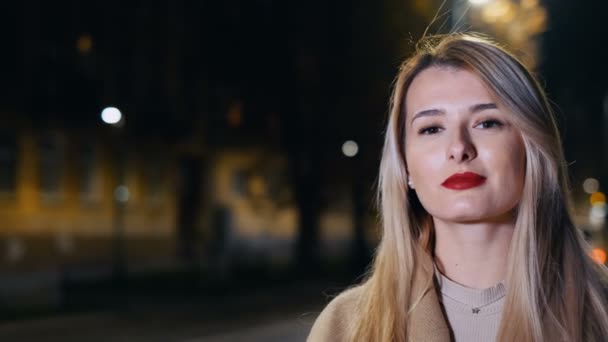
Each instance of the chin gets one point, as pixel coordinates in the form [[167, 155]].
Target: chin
[[464, 219], [475, 217], [462, 215]]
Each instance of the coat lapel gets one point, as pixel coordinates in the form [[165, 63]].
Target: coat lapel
[[427, 322]]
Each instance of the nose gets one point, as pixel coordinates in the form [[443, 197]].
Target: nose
[[461, 147]]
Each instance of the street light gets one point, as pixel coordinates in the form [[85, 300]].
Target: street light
[[350, 148], [113, 117], [478, 2], [591, 185]]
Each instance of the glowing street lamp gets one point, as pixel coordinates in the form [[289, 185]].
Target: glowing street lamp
[[111, 115], [591, 185], [350, 148], [479, 2]]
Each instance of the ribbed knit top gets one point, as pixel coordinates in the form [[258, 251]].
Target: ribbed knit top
[[472, 314]]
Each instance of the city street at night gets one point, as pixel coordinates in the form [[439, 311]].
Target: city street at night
[[216, 171], [284, 315], [158, 327]]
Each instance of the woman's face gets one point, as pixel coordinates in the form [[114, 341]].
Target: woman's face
[[465, 158]]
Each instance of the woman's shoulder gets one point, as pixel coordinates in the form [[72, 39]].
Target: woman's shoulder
[[334, 321]]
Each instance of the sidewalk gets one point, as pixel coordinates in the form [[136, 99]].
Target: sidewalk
[[274, 313]]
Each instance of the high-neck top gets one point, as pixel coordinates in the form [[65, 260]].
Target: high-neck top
[[472, 314]]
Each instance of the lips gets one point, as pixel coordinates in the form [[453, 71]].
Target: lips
[[462, 181]]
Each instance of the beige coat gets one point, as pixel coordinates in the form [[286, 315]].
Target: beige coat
[[427, 322]]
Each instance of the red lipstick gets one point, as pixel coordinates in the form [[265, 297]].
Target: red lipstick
[[463, 181]]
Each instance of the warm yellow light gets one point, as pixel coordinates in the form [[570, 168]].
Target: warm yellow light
[[84, 44], [498, 11], [235, 114], [257, 186], [508, 15], [423, 7], [528, 4], [479, 2], [597, 198], [537, 20], [598, 255]]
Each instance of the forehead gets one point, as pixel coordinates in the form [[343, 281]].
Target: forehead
[[446, 88]]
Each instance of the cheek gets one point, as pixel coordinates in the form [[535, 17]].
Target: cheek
[[508, 155], [515, 156], [420, 164], [519, 167], [507, 162]]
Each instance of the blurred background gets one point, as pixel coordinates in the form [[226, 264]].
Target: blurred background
[[205, 170]]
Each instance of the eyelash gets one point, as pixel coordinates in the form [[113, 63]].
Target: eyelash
[[495, 123], [427, 130]]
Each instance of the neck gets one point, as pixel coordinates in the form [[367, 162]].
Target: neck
[[473, 254]]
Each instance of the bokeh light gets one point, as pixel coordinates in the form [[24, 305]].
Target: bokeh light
[[122, 194], [350, 148], [235, 114], [111, 115], [529, 4], [597, 198], [591, 185], [598, 255], [598, 211], [597, 215], [479, 2], [501, 10], [84, 44]]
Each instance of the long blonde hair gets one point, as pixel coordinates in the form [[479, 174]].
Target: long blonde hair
[[555, 291]]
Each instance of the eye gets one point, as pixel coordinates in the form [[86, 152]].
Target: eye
[[429, 130], [491, 123]]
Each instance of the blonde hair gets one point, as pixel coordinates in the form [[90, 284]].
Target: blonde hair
[[555, 291]]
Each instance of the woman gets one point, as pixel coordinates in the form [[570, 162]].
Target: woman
[[478, 243]]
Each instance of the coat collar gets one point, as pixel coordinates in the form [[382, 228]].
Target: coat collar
[[427, 322]]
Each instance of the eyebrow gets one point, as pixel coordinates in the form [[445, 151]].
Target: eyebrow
[[473, 109], [482, 106]]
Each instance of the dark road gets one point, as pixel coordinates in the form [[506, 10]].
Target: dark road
[[285, 314], [103, 327]]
